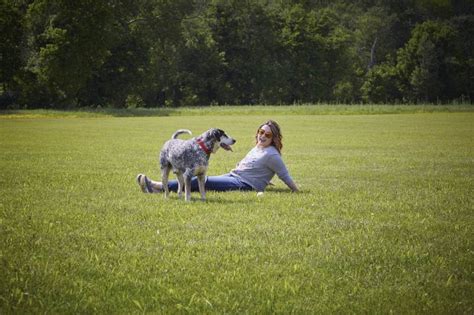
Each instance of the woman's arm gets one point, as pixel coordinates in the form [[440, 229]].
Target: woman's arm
[[279, 167]]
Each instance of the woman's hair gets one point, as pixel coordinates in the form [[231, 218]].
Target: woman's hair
[[277, 136]]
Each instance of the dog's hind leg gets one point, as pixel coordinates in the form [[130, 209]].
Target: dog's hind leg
[[187, 184], [180, 184], [201, 183], [165, 173]]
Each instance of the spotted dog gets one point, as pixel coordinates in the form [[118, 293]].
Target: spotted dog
[[188, 158]]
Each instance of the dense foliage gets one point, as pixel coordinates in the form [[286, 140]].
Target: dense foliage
[[148, 53]]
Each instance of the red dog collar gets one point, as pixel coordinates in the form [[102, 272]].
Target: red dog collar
[[203, 146]]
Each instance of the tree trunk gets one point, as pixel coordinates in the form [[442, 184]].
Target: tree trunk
[[372, 54]]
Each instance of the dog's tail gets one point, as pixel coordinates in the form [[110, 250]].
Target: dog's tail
[[180, 131]]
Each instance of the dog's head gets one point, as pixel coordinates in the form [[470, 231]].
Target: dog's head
[[221, 140]]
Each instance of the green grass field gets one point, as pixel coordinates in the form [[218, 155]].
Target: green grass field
[[384, 222]]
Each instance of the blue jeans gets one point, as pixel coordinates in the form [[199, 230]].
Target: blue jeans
[[226, 182]]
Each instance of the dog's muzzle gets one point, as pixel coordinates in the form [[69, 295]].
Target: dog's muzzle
[[227, 147]]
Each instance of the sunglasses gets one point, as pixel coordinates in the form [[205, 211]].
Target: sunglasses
[[262, 132]]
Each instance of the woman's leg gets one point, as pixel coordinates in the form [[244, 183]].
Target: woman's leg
[[149, 186], [226, 182]]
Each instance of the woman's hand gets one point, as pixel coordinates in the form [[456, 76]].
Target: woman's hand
[[293, 187]]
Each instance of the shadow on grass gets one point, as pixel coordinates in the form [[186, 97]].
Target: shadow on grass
[[308, 109], [94, 112], [243, 197], [137, 112], [211, 200], [283, 190]]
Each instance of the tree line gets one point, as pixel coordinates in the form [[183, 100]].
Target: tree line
[[150, 53]]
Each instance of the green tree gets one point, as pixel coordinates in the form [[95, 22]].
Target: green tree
[[68, 41], [460, 64], [161, 24], [422, 63], [316, 45], [10, 50], [246, 38], [381, 85], [122, 70], [373, 36]]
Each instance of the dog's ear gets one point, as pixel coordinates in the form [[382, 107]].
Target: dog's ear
[[217, 134]]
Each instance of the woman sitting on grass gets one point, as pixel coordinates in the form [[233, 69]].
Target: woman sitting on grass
[[254, 172]]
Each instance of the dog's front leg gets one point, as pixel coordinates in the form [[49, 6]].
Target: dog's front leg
[[202, 188]]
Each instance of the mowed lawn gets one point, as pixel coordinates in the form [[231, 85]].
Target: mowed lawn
[[384, 222]]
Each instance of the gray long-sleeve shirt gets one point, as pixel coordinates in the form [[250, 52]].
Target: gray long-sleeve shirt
[[259, 166]]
